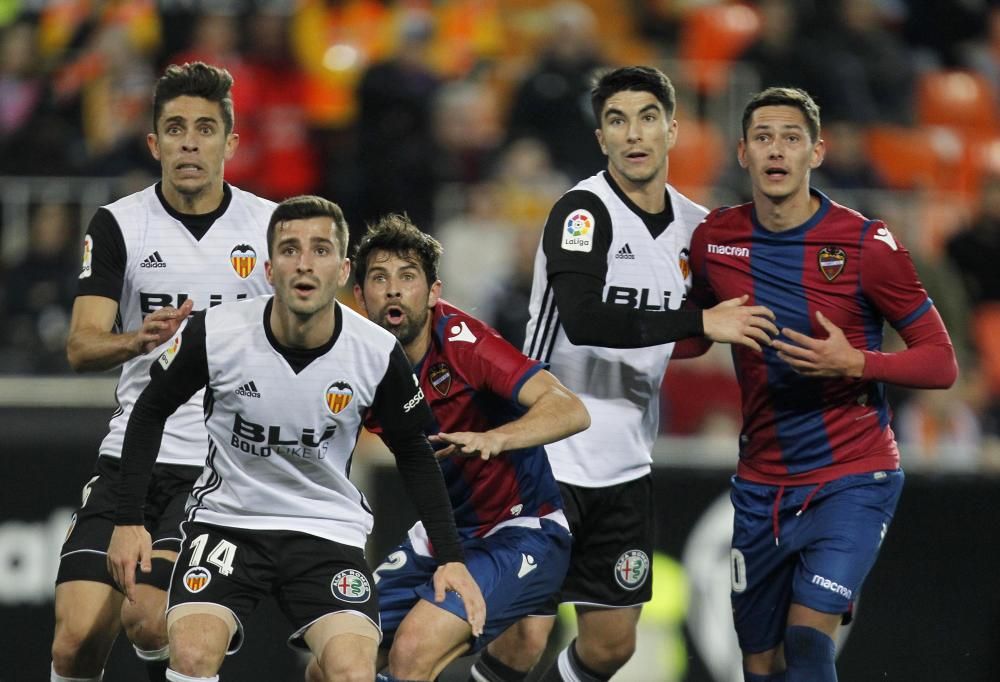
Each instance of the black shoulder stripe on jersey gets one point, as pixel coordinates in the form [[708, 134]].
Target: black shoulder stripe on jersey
[[552, 337]]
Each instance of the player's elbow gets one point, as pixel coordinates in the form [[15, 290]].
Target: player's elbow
[[74, 356], [580, 416], [949, 371]]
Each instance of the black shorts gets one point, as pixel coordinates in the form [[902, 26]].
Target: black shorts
[[236, 568], [84, 552], [613, 531]]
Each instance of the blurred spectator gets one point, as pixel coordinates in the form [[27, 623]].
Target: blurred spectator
[[779, 56], [553, 102], [975, 251], [868, 73], [38, 294], [275, 134], [395, 138], [983, 55], [467, 132], [940, 429], [846, 164]]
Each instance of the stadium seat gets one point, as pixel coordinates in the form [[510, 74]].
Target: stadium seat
[[917, 158], [960, 99], [712, 37]]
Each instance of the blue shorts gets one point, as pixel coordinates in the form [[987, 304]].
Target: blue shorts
[[517, 568], [811, 545]]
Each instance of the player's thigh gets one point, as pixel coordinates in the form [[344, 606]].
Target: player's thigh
[[317, 577], [613, 532], [427, 636], [343, 647], [397, 579], [600, 625], [846, 526], [229, 568], [518, 569], [83, 556], [86, 614], [761, 570]]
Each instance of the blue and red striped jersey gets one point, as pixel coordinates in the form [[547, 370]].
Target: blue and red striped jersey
[[471, 377], [796, 429]]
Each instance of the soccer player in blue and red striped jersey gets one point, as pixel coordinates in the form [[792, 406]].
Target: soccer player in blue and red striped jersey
[[818, 477], [493, 409]]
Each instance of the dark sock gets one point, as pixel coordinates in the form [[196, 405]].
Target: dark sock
[[157, 670], [489, 668], [569, 668], [810, 654]]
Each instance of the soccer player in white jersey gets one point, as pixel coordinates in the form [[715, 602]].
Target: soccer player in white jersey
[[289, 379], [191, 240], [610, 279]]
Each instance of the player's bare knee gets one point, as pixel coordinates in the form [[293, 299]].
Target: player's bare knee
[[78, 652], [606, 651], [190, 656], [336, 667], [409, 656], [145, 624], [313, 671]]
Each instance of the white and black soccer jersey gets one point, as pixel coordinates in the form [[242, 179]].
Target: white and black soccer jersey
[[145, 255], [283, 424], [596, 234]]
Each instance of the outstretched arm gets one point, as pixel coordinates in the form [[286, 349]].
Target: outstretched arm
[[554, 412]]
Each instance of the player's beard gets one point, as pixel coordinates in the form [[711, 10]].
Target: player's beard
[[409, 330]]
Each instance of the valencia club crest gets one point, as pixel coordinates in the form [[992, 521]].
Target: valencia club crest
[[243, 258], [831, 262]]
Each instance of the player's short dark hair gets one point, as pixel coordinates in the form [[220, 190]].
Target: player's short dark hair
[[302, 208], [195, 79], [639, 78], [784, 97], [398, 235]]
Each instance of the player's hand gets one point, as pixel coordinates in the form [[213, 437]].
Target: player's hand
[[747, 325], [160, 326], [455, 577], [469, 444], [833, 356], [130, 546]]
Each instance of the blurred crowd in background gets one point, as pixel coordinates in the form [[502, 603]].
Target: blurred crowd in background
[[473, 116]]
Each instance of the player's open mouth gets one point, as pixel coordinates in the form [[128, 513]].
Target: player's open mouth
[[776, 173], [304, 287], [636, 156], [394, 314]]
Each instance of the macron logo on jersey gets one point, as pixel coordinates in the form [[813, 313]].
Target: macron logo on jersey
[[248, 390], [739, 251], [625, 253], [153, 260], [461, 332], [528, 564], [884, 236], [828, 584]]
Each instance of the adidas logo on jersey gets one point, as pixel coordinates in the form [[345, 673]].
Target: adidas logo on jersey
[[248, 390], [625, 253], [153, 260]]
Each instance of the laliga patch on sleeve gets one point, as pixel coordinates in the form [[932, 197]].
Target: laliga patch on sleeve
[[578, 231], [167, 356], [88, 255]]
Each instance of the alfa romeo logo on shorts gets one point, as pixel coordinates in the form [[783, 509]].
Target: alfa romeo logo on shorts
[[632, 569], [197, 579], [351, 586]]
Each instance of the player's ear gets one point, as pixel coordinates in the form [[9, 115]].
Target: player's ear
[[600, 141], [269, 272], [359, 298], [741, 153], [153, 142], [345, 272], [232, 142], [819, 153], [435, 294]]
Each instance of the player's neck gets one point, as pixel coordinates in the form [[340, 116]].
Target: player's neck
[[416, 350], [194, 204], [649, 195], [784, 214], [296, 331]]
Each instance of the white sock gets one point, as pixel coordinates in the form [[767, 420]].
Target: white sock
[[175, 676], [56, 677], [152, 656]]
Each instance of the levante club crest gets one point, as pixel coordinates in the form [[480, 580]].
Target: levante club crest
[[338, 396], [440, 376], [831, 262], [243, 258]]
